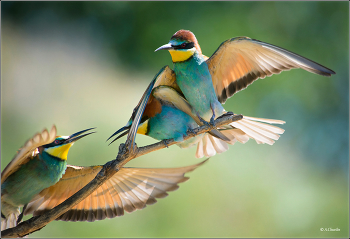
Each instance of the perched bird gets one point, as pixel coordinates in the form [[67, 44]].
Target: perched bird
[[168, 114], [39, 178], [206, 83]]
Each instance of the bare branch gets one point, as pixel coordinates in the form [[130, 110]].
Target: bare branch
[[109, 169]]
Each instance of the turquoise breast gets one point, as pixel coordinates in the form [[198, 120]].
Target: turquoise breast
[[39, 173], [194, 80], [170, 123]]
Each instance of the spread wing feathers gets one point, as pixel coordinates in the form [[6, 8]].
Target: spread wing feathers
[[241, 131], [139, 112], [28, 150], [169, 96], [240, 61], [128, 190], [136, 117], [165, 77]]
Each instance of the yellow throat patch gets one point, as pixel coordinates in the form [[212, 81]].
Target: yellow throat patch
[[178, 56], [143, 128], [59, 151]]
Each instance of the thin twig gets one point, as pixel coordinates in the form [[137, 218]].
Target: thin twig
[[108, 170]]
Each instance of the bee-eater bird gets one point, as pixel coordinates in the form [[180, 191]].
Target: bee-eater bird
[[168, 114], [38, 165], [39, 179], [206, 83]]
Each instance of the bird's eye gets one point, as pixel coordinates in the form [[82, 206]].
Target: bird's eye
[[183, 44], [56, 141]]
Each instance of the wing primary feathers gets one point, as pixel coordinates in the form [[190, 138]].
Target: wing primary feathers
[[129, 190], [139, 113], [117, 206], [147, 106], [239, 61], [28, 150], [136, 116], [311, 65]]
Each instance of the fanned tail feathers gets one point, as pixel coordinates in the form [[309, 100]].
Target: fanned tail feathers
[[10, 221], [241, 131]]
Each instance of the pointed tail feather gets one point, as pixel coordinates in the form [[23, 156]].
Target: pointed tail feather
[[237, 134], [261, 132]]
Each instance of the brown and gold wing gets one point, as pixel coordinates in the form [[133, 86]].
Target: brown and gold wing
[[29, 150], [170, 96], [128, 190], [240, 61], [165, 77]]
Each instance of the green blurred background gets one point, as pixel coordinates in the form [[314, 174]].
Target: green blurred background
[[86, 64]]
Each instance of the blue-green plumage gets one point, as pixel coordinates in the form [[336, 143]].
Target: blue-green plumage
[[208, 82], [39, 173], [194, 80], [172, 123], [200, 85], [40, 164]]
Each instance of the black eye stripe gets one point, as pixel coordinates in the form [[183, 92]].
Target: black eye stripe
[[56, 142], [187, 46]]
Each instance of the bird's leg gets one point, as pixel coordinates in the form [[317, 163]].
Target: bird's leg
[[211, 123], [19, 219], [202, 120], [212, 119]]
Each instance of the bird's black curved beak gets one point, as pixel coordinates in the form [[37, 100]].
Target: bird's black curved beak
[[76, 136], [165, 47]]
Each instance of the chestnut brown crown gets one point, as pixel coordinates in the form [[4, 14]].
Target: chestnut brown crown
[[188, 36]]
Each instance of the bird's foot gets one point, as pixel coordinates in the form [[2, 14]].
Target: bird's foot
[[226, 114], [210, 124], [166, 145], [212, 120], [190, 132]]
